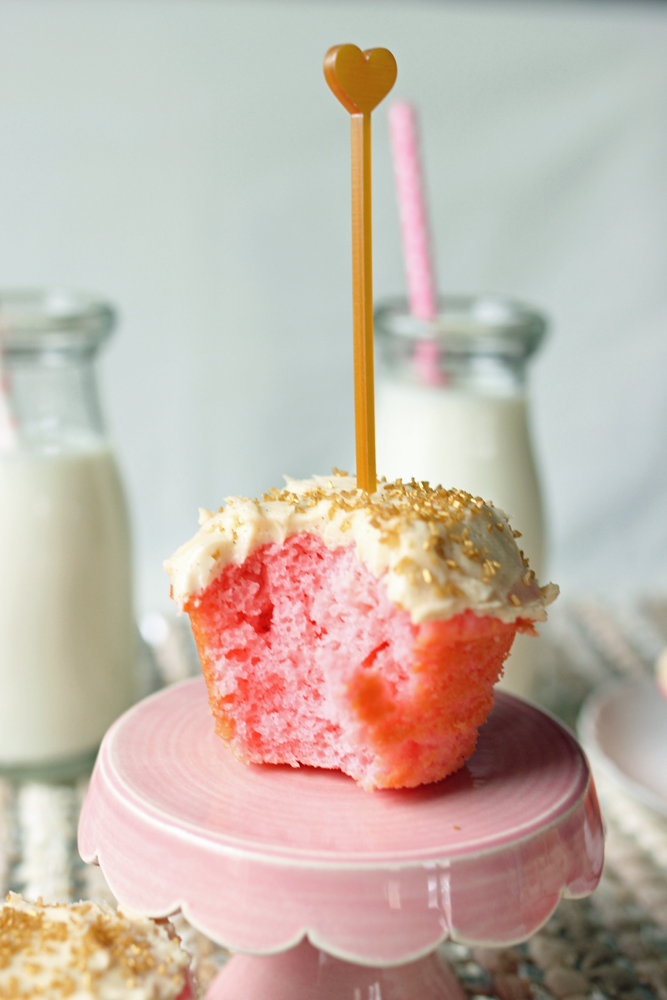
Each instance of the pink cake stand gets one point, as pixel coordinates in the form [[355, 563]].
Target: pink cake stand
[[326, 890]]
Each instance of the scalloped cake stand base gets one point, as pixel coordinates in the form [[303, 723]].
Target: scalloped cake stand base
[[307, 973], [329, 891]]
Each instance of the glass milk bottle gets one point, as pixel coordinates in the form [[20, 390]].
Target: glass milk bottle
[[67, 634], [452, 408]]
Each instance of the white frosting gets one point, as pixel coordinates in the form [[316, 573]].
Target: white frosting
[[452, 553], [86, 952]]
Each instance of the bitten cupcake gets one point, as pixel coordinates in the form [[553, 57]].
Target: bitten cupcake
[[88, 952], [363, 632]]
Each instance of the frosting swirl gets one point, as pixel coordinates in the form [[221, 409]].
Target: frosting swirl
[[439, 551]]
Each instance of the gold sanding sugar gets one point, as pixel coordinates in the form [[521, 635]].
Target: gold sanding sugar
[[55, 950], [395, 504]]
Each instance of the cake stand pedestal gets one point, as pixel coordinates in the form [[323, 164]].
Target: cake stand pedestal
[[328, 891]]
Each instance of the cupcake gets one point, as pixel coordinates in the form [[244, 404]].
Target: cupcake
[[86, 951], [365, 633]]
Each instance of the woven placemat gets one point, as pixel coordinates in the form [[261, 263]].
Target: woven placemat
[[613, 944]]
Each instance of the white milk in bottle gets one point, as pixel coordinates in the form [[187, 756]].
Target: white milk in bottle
[[451, 408], [67, 634]]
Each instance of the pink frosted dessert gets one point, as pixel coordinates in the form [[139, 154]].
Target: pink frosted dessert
[[362, 633]]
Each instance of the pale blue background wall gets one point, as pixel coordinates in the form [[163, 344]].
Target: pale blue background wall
[[185, 158]]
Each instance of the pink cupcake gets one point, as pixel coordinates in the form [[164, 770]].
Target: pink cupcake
[[342, 630]]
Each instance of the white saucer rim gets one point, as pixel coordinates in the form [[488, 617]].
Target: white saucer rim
[[587, 732]]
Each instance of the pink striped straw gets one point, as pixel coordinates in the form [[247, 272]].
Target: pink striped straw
[[404, 133], [422, 293]]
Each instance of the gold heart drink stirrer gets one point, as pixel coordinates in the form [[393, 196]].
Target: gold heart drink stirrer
[[360, 80]]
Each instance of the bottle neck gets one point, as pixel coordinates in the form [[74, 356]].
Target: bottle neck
[[475, 344], [421, 365], [52, 401]]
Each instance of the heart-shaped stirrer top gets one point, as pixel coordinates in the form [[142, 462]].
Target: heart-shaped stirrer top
[[359, 79]]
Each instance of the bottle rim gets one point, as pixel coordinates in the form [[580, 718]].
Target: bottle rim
[[53, 319], [466, 324]]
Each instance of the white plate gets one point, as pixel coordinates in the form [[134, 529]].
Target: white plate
[[623, 728]]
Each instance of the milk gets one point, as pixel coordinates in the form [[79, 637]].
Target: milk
[[472, 441], [67, 641], [465, 440]]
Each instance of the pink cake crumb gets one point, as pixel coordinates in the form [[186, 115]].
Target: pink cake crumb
[[307, 661]]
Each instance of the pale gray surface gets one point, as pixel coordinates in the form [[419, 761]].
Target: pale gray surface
[[186, 159]]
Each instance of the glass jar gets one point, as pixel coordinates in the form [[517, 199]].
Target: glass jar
[[452, 408], [67, 635]]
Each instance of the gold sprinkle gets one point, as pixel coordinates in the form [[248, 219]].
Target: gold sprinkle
[[447, 516], [449, 589], [528, 578], [340, 472], [489, 569], [516, 534], [515, 600]]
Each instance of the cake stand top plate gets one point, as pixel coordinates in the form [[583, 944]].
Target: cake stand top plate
[[176, 821]]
